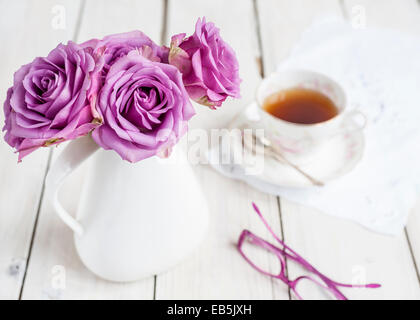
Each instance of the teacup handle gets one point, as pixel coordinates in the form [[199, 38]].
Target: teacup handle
[[72, 156], [353, 115]]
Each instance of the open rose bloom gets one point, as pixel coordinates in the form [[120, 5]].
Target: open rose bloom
[[144, 106], [131, 94], [48, 101]]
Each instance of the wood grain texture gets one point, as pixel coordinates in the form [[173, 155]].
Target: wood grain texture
[[349, 253], [53, 245], [237, 24], [217, 271], [102, 18], [283, 21], [341, 249], [21, 184]]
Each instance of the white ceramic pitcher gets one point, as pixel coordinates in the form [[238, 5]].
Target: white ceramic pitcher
[[133, 220]]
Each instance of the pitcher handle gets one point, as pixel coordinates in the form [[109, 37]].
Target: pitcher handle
[[72, 156]]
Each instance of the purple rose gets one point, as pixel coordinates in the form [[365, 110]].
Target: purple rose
[[208, 64], [144, 106], [48, 102], [115, 46]]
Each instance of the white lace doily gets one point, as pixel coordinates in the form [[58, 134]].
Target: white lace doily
[[380, 72]]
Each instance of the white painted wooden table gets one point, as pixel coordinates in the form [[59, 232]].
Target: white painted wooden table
[[35, 246]]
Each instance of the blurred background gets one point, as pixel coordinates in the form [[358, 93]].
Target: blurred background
[[37, 256]]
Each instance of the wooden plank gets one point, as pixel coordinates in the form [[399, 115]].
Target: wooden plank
[[53, 251], [341, 249], [349, 253], [22, 183], [107, 17], [217, 271], [282, 23], [402, 15], [413, 237]]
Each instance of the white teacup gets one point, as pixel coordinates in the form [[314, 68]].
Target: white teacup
[[298, 141]]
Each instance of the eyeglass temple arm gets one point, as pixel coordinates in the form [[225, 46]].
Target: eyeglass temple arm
[[257, 210], [305, 263], [369, 285]]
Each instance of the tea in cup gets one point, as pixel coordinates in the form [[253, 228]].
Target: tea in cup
[[302, 110]]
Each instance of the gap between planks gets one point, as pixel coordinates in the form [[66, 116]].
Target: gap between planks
[[346, 15], [163, 38], [38, 210], [416, 267], [260, 57], [260, 63], [49, 160]]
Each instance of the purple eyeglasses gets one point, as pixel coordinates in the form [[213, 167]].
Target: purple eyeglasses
[[283, 253]]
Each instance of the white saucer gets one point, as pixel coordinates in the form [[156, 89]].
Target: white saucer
[[337, 158]]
